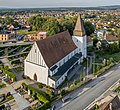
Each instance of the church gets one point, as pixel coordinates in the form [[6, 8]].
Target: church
[[50, 60]]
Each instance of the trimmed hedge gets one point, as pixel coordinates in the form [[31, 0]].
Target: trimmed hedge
[[10, 74], [44, 106], [104, 69], [40, 95]]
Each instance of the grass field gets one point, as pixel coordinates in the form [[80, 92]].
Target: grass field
[[115, 56], [25, 31]]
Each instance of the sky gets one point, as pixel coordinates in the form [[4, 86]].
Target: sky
[[55, 3]]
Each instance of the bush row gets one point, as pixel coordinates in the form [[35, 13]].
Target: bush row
[[104, 69], [9, 74], [38, 95]]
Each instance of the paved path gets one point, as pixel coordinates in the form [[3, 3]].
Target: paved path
[[15, 85], [85, 95], [15, 44], [6, 62], [21, 102]]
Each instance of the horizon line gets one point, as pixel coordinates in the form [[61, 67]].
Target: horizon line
[[60, 7]]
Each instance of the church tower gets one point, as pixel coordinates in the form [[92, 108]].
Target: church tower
[[79, 37]]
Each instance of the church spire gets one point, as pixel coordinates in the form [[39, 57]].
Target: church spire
[[79, 28]]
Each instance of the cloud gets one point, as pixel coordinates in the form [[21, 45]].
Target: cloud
[[55, 3]]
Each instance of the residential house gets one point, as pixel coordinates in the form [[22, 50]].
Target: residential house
[[4, 36], [100, 33], [89, 42], [110, 38], [102, 44], [37, 36]]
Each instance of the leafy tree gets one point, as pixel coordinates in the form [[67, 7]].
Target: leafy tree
[[52, 27], [75, 82], [113, 48], [8, 20], [81, 77], [95, 40], [89, 28], [111, 60], [40, 85], [6, 67], [37, 22], [62, 92], [68, 85]]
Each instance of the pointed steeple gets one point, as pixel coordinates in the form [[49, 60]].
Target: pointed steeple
[[79, 28]]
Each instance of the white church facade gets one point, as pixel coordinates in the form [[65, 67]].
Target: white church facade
[[51, 59]]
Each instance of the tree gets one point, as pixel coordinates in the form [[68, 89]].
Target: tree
[[62, 92], [6, 67], [118, 32], [81, 77], [95, 40], [113, 48], [68, 85], [40, 85], [89, 28], [51, 26], [111, 60], [37, 22], [75, 82]]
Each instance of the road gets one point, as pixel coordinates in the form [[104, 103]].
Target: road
[[82, 97], [15, 44]]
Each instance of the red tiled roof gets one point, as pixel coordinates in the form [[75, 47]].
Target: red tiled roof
[[111, 38], [89, 39], [56, 47]]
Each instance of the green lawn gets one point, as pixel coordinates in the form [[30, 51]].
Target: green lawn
[[115, 56], [25, 31]]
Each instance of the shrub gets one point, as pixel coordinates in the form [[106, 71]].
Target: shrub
[[81, 77], [6, 67], [68, 85], [44, 106], [40, 85], [62, 92], [49, 92], [10, 74], [103, 69], [25, 86], [75, 82], [40, 97]]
